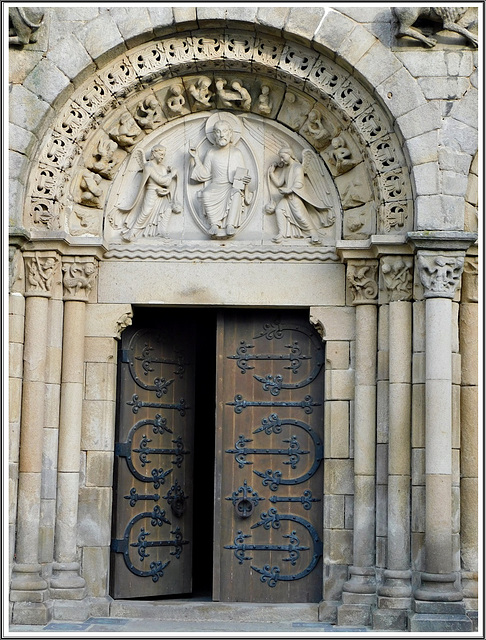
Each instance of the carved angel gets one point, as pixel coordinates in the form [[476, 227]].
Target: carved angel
[[155, 202], [305, 205]]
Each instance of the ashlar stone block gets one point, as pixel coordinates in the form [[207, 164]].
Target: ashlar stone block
[[401, 93], [94, 516], [354, 47], [377, 64], [95, 565], [134, 23], [303, 24], [47, 81], [332, 31], [99, 469], [101, 38], [334, 512], [273, 18], [339, 477], [100, 381], [98, 425], [72, 59], [339, 384], [337, 354]]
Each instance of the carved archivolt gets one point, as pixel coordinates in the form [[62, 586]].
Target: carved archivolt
[[98, 159]]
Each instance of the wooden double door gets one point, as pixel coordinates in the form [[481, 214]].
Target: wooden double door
[[219, 457]]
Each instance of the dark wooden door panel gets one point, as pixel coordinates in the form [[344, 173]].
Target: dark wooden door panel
[[269, 452], [152, 551]]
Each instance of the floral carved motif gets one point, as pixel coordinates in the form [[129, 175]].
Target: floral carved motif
[[397, 274], [440, 275], [362, 279]]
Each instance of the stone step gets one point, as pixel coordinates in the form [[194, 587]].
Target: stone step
[[207, 611]]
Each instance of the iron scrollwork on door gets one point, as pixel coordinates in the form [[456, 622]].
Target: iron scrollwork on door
[[123, 545], [126, 450], [272, 575], [244, 500]]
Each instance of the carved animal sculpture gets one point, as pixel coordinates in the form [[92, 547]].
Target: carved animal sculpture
[[449, 16], [23, 23]]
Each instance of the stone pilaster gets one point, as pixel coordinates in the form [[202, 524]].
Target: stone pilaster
[[468, 341], [394, 595], [359, 594], [67, 585], [28, 588], [438, 604]]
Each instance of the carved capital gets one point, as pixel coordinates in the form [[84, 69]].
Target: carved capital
[[397, 275], [79, 275], [122, 323], [440, 275], [40, 270], [470, 280], [362, 279]]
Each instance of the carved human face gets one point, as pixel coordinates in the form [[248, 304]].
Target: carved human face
[[222, 134], [158, 154], [284, 157]]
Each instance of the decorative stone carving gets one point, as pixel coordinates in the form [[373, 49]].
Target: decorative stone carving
[[15, 268], [200, 92], [226, 194], [470, 280], [340, 156], [148, 113], [448, 16], [176, 100], [397, 274], [315, 130], [103, 161], [45, 212], [304, 205], [90, 190], [155, 200], [294, 111], [40, 273], [362, 279], [23, 23], [265, 103], [393, 217], [78, 279], [440, 275], [122, 323], [236, 97], [126, 131]]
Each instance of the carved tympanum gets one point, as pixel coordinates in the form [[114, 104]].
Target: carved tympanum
[[448, 16], [155, 201], [303, 205], [78, 278], [398, 277], [361, 276], [440, 275], [40, 273], [223, 170]]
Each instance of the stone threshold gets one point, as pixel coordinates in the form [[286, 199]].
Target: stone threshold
[[208, 611]]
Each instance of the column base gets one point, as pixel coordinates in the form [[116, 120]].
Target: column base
[[32, 613], [66, 583], [27, 584], [354, 615], [361, 580], [396, 586], [438, 587], [390, 619], [430, 623], [75, 610]]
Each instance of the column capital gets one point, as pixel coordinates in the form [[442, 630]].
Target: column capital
[[41, 268], [441, 240], [362, 279], [396, 275], [440, 272], [79, 276]]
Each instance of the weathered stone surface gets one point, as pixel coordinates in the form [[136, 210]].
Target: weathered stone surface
[[98, 425], [354, 47], [422, 119], [332, 32], [72, 59], [303, 25], [430, 623], [272, 17], [100, 381], [375, 73], [423, 149], [96, 561], [400, 93], [99, 469], [134, 23], [26, 109], [339, 476], [339, 543], [101, 38], [94, 516], [47, 82]]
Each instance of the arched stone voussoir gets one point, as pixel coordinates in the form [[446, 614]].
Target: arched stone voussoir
[[301, 26], [102, 39]]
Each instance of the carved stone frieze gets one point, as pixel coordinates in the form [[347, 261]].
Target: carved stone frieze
[[361, 276], [79, 275], [181, 75], [440, 275], [469, 288], [40, 271], [397, 277]]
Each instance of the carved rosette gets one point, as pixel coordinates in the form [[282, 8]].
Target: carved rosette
[[439, 274], [397, 277], [470, 280], [40, 272], [362, 280], [79, 275]]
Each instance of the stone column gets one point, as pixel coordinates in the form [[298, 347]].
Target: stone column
[[359, 591], [440, 274], [28, 587], [66, 583], [468, 341], [395, 592]]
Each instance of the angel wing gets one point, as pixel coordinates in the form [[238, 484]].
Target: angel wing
[[317, 177]]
